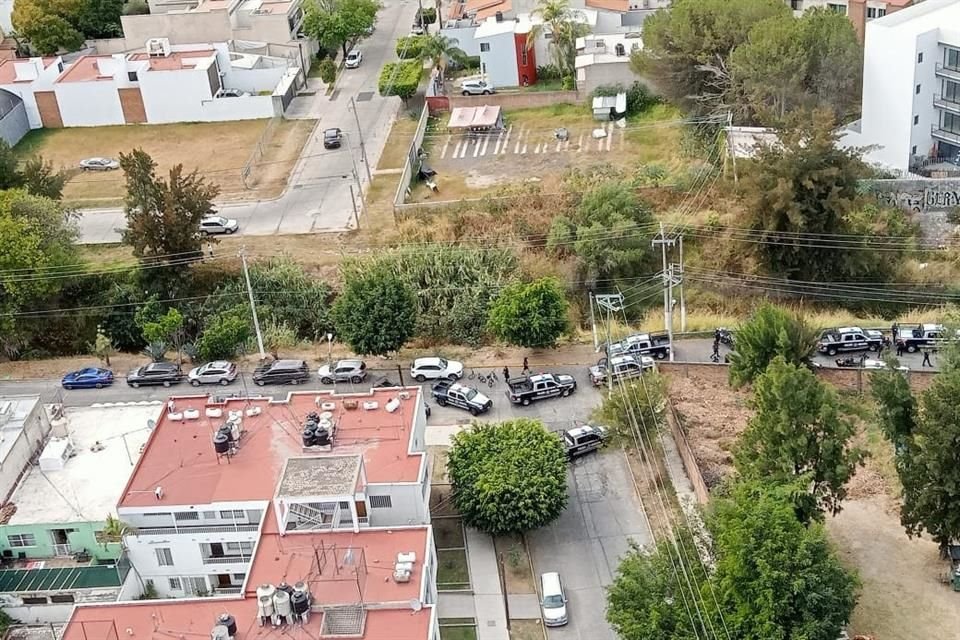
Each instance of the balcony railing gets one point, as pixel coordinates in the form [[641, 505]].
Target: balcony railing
[[225, 528], [952, 137], [944, 71], [947, 104], [97, 576], [228, 590], [226, 560]]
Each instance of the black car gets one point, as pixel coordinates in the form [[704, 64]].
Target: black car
[[281, 372], [447, 392], [332, 138], [165, 373]]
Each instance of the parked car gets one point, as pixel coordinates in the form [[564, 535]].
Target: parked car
[[89, 378], [353, 59], [281, 372], [476, 88], [656, 345], [343, 371], [99, 164], [435, 368], [165, 373], [623, 367], [212, 225], [583, 439], [554, 601], [457, 395], [231, 93], [216, 372], [332, 138], [526, 389]]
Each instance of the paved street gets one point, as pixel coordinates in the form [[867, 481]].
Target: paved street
[[317, 197]]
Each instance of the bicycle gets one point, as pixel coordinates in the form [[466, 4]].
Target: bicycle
[[492, 379], [473, 374], [482, 379]]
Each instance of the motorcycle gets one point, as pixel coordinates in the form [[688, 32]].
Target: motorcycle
[[848, 362], [724, 335]]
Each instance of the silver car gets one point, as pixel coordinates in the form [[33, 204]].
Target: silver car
[[353, 60], [218, 224], [343, 371], [99, 164], [216, 372], [477, 88], [554, 601]]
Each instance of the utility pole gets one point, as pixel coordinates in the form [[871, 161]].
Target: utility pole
[[730, 148], [253, 306], [683, 304], [363, 149], [593, 324], [663, 242], [610, 303]]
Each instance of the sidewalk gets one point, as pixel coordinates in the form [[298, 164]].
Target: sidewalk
[[487, 595]]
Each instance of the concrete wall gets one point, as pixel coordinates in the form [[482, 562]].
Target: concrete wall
[[465, 39], [608, 73], [180, 28], [82, 538], [253, 80], [27, 442], [518, 100], [500, 62], [89, 104], [918, 195]]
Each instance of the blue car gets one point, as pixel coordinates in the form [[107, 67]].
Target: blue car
[[89, 378]]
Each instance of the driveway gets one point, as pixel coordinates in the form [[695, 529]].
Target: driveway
[[587, 541], [317, 197]]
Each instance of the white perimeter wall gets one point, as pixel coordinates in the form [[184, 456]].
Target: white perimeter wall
[[253, 80], [500, 62], [184, 96], [89, 104]]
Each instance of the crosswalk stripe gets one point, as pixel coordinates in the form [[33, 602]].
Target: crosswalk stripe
[[516, 148], [580, 144], [537, 150], [446, 143], [483, 151], [610, 137], [506, 140], [559, 142], [466, 147], [456, 150], [496, 147]]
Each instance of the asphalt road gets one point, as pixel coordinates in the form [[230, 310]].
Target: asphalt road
[[318, 193]]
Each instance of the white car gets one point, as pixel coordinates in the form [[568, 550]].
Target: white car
[[99, 164], [218, 224], [435, 369], [216, 372], [353, 60], [477, 88], [554, 601]]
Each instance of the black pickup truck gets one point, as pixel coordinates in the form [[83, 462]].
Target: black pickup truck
[[655, 345], [924, 335], [455, 394], [833, 341], [526, 389]]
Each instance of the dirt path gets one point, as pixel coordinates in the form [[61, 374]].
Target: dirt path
[[902, 598]]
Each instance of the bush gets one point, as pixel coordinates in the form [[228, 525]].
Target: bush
[[770, 332], [410, 47], [428, 15], [400, 78], [508, 477], [568, 83], [639, 98], [530, 314], [375, 314], [136, 8], [548, 72], [224, 335], [328, 71]]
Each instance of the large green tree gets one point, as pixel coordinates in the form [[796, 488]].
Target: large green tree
[[163, 215], [789, 64], [564, 25], [52, 26], [687, 48], [896, 405], [337, 23], [798, 435], [530, 314], [41, 179], [803, 193], [776, 579], [508, 477], [770, 331], [225, 334], [375, 313]]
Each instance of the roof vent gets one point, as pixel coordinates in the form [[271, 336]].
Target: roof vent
[[403, 568]]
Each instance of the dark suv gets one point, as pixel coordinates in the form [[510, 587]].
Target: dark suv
[[165, 373], [281, 372]]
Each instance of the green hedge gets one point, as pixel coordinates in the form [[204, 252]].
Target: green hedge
[[400, 78], [409, 47]]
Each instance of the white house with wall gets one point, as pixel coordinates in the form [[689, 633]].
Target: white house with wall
[[604, 59], [25, 77], [911, 88], [196, 509]]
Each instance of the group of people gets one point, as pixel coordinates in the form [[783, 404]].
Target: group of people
[[526, 370], [894, 331]]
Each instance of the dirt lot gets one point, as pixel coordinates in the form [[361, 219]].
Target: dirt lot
[[219, 149], [901, 597]]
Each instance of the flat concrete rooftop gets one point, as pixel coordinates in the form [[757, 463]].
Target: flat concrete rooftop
[[90, 483]]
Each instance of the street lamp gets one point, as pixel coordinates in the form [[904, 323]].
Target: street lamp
[[330, 349]]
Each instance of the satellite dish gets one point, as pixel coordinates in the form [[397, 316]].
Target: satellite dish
[[151, 423], [415, 604]]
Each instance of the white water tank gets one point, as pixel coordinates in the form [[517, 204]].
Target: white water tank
[[264, 606], [281, 600]]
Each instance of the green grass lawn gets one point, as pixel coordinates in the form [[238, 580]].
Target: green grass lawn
[[457, 633], [448, 533], [452, 572]]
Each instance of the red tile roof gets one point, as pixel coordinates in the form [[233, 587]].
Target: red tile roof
[[180, 459], [174, 61], [84, 69]]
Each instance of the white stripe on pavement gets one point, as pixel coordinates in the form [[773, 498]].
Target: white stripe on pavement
[[580, 144], [506, 140], [496, 147], [483, 151], [446, 143]]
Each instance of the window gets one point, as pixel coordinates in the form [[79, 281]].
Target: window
[[35, 600], [132, 76], [917, 90], [523, 56], [22, 540], [239, 547], [920, 57], [913, 151], [156, 515], [186, 515], [344, 505], [381, 502], [175, 584], [238, 576], [951, 91], [484, 46], [235, 514], [63, 598], [916, 119], [838, 8], [194, 586], [164, 557], [796, 5], [952, 58], [253, 515], [877, 13], [209, 515], [881, 13], [951, 122]]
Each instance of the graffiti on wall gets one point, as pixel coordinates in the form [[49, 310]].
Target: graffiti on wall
[[917, 195]]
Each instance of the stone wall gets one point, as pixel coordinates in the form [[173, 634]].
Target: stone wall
[[518, 100], [917, 195]]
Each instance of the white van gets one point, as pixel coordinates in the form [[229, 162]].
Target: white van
[[554, 601]]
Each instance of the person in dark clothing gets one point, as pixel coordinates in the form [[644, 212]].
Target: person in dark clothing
[[899, 348], [926, 359], [716, 351], [880, 350], [506, 373], [526, 366]]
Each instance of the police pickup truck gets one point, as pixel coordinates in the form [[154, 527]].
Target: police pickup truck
[[923, 335], [583, 439], [619, 368], [526, 389], [833, 341], [656, 345], [457, 395]]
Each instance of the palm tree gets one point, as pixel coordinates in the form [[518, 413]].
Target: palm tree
[[564, 25], [441, 50]]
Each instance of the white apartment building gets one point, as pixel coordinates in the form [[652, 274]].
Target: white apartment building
[[911, 88], [215, 476]]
